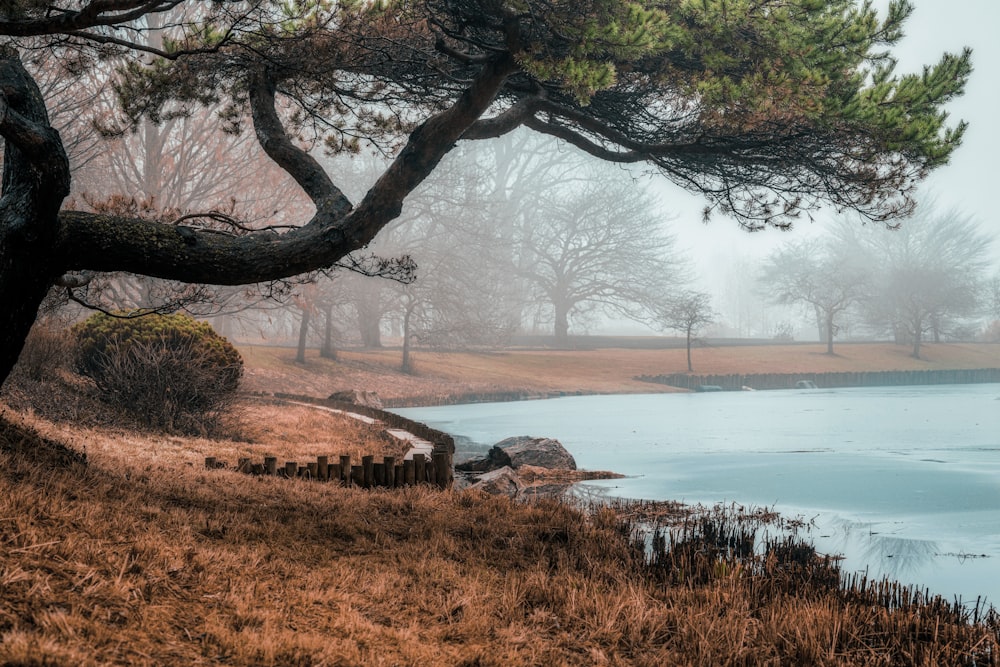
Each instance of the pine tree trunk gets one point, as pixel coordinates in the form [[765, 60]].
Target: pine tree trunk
[[35, 182]]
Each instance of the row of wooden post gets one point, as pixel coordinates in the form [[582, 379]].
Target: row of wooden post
[[369, 474]]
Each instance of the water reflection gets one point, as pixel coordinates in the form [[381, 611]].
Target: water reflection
[[897, 557]]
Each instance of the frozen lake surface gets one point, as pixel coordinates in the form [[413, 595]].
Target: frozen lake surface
[[903, 481]]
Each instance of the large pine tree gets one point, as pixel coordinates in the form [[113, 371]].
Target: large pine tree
[[766, 107]]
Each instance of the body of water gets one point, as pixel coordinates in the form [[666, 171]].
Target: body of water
[[902, 481]]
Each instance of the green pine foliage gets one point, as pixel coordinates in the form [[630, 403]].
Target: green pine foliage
[[768, 108], [170, 371]]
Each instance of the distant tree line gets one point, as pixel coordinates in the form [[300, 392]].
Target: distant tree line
[[926, 280], [519, 235]]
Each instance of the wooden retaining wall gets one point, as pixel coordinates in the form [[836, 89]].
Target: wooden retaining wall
[[341, 470], [437, 470], [827, 380]]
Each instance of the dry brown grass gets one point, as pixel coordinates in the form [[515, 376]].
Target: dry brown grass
[[141, 557], [610, 370], [289, 431]]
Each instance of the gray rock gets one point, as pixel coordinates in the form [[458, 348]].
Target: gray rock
[[475, 465], [525, 450], [368, 399], [501, 482]]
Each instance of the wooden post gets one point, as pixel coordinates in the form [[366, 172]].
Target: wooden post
[[390, 471], [270, 465], [399, 475], [291, 467], [257, 469], [368, 471], [419, 468], [322, 468], [335, 472], [345, 469], [357, 475], [302, 471], [432, 474], [379, 470], [408, 472], [442, 465], [210, 462], [312, 470], [243, 464]]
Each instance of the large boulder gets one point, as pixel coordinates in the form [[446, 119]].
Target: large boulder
[[523, 450], [367, 399], [501, 482]]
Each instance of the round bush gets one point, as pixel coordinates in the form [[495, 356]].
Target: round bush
[[170, 371]]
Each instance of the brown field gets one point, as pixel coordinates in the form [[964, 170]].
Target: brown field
[[609, 370]]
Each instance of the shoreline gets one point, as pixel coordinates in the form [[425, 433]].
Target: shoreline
[[733, 382], [449, 378]]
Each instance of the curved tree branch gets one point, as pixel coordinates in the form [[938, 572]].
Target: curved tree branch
[[94, 13], [100, 242], [299, 164]]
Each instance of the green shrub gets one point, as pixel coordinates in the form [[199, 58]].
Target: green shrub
[[171, 371]]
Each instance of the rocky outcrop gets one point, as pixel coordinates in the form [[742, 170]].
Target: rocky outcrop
[[528, 451], [368, 399], [512, 462], [523, 451], [501, 482]]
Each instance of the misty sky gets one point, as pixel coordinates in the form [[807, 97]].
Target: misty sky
[[969, 183]]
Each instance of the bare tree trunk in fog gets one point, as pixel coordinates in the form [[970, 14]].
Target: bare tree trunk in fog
[[370, 327], [561, 326], [300, 355], [328, 351], [407, 366]]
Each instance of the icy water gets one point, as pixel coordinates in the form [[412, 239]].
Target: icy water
[[903, 481]]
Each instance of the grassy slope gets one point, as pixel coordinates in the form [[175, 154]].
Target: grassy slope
[[594, 371], [139, 557]]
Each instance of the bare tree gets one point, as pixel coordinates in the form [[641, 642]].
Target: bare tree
[[823, 275], [599, 243], [688, 312], [928, 273]]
